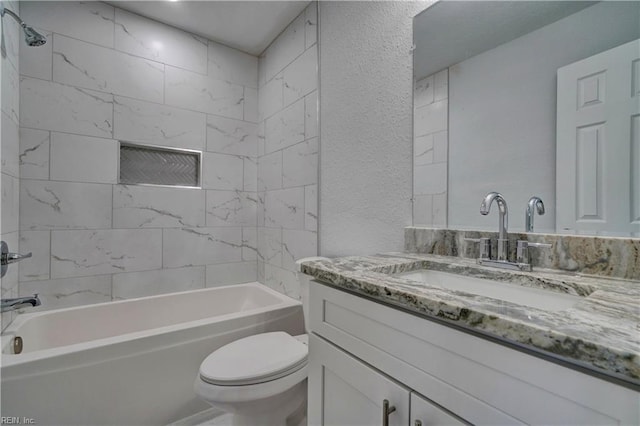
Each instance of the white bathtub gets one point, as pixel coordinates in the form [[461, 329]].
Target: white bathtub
[[131, 362]]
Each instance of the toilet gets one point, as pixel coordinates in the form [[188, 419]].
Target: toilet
[[269, 389]]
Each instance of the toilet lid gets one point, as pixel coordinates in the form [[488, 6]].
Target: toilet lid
[[254, 359]]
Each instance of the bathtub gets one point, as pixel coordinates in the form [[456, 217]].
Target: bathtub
[[130, 362]]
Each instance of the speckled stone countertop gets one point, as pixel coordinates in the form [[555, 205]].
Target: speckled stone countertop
[[600, 332]]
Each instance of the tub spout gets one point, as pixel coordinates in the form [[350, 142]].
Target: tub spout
[[19, 302]]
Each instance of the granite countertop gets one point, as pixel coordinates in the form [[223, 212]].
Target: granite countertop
[[600, 332]]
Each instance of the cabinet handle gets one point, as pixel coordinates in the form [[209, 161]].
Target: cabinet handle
[[418, 423], [386, 410]]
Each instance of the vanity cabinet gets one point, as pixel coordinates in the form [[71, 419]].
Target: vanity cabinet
[[363, 352]]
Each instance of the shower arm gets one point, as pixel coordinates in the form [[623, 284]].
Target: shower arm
[[4, 10]]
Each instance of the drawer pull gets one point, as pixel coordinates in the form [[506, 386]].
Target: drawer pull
[[386, 410], [418, 423]]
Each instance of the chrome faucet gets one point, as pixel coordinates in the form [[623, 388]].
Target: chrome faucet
[[19, 302], [534, 203], [503, 221]]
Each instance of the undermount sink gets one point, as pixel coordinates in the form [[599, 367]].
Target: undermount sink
[[527, 296]]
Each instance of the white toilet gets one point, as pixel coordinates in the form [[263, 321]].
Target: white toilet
[[261, 379]]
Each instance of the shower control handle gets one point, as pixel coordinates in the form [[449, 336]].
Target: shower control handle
[[7, 258]]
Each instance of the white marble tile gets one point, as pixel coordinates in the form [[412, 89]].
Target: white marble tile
[[52, 106], [311, 25], [226, 63], [311, 208], [201, 246], [311, 115], [271, 98], [251, 113], [300, 164], [285, 128], [260, 209], [10, 280], [68, 292], [440, 147], [261, 271], [231, 273], [37, 62], [270, 171], [423, 92], [430, 179], [10, 102], [64, 205], [441, 85], [250, 173], [34, 153], [149, 207], [301, 76], [431, 118], [262, 79], [153, 40], [270, 246], [231, 208], [282, 280], [10, 147], [439, 211], [83, 158], [220, 171], [261, 139], [297, 244], [285, 208], [139, 121], [89, 21], [422, 210], [150, 283], [81, 64], [38, 243], [92, 252], [249, 243], [228, 136], [423, 150], [10, 203], [286, 47], [186, 89]]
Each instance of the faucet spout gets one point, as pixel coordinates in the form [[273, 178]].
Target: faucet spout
[[503, 211], [534, 203], [19, 302]]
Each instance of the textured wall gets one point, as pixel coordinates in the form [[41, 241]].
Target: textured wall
[[365, 125]]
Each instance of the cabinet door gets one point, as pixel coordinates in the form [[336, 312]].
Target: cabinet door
[[345, 391], [426, 413]]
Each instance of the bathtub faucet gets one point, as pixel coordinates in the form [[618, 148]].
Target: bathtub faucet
[[19, 302]]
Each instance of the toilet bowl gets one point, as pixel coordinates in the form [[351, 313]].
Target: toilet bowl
[[261, 379]]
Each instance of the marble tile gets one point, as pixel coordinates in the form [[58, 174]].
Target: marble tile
[[68, 292], [10, 147], [7, 318], [64, 205], [231, 273], [150, 283], [261, 139], [285, 128], [10, 280], [300, 164], [153, 40], [201, 246], [88, 21], [93, 252], [250, 173], [251, 113], [440, 210], [81, 64], [37, 63], [311, 115], [301, 76], [311, 25], [260, 210], [297, 244], [441, 85], [11, 94], [423, 92], [311, 208], [9, 201], [249, 243], [220, 171], [286, 47], [261, 271], [271, 97], [423, 150], [153, 207], [228, 136], [83, 158], [430, 179], [38, 243], [431, 118], [270, 246], [52, 106], [440, 147], [139, 121], [34, 153], [422, 210], [186, 89], [231, 208], [270, 171], [232, 65], [285, 208], [282, 280]]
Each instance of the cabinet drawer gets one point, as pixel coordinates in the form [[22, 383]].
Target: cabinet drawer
[[426, 413]]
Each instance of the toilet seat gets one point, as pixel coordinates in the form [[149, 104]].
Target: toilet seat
[[236, 364]]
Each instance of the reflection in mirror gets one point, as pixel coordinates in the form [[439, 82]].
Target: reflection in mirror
[[486, 100]]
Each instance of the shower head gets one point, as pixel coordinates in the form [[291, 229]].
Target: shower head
[[31, 36]]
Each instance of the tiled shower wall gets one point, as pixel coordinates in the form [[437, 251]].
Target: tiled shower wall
[[107, 75], [9, 170], [288, 153], [430, 147]]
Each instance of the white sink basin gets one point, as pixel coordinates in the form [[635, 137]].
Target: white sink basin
[[527, 296]]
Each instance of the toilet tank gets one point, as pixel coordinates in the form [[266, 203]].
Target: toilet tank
[[304, 281]]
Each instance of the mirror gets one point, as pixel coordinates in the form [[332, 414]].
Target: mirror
[[485, 113]]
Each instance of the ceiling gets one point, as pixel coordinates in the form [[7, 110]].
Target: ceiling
[[249, 26]]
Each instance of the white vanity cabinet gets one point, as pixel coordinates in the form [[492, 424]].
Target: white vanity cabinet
[[363, 352]]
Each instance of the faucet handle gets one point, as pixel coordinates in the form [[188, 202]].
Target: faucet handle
[[522, 250], [485, 247]]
